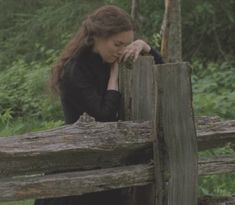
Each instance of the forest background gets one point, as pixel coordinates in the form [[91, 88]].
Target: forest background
[[33, 32]]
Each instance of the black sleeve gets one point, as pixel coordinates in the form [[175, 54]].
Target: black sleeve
[[157, 57], [104, 107]]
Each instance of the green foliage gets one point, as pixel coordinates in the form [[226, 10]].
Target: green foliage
[[226, 150], [52, 22], [214, 89], [26, 202], [151, 16], [49, 23], [208, 29], [217, 185], [24, 93], [24, 125], [6, 116], [220, 185], [44, 22], [33, 32]]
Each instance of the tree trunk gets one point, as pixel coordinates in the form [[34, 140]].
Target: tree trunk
[[171, 47]]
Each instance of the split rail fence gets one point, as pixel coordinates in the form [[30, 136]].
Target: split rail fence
[[152, 151]]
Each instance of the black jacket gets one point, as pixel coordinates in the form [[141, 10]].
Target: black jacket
[[84, 88]]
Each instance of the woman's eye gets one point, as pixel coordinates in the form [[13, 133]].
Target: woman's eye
[[117, 44]]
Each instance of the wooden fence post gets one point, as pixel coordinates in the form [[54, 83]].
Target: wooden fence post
[[175, 145], [163, 94], [137, 90]]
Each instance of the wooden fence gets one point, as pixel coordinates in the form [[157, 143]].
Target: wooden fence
[[153, 150]]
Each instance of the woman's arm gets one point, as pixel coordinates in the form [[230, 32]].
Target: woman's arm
[[102, 107], [136, 48], [113, 79]]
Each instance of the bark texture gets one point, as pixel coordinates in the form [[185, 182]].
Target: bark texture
[[171, 47]]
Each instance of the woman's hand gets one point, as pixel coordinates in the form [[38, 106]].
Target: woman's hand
[[134, 49]]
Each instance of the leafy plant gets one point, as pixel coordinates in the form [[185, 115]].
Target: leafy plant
[[24, 90], [214, 89]]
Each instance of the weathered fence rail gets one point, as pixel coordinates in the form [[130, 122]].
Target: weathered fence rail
[[153, 149], [87, 146], [91, 147], [128, 137], [209, 200], [213, 132], [81, 146]]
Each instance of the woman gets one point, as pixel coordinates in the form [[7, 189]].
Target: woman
[[86, 79]]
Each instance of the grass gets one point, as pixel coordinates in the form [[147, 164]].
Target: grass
[[21, 126], [217, 185], [25, 202]]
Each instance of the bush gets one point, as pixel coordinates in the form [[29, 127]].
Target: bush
[[24, 92], [220, 185], [214, 89]]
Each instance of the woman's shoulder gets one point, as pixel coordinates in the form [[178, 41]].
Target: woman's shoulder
[[76, 73], [75, 66]]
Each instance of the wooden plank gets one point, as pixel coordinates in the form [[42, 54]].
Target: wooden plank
[[142, 92], [138, 99], [136, 86], [216, 200], [80, 146], [209, 140], [44, 151], [56, 185], [125, 81], [175, 137], [216, 165], [211, 123], [213, 132], [75, 183]]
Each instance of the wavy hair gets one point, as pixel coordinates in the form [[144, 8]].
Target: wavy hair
[[104, 22]]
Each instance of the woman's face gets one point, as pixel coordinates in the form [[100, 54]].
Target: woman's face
[[111, 48]]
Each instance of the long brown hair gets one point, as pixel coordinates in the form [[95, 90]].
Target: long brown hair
[[104, 22]]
